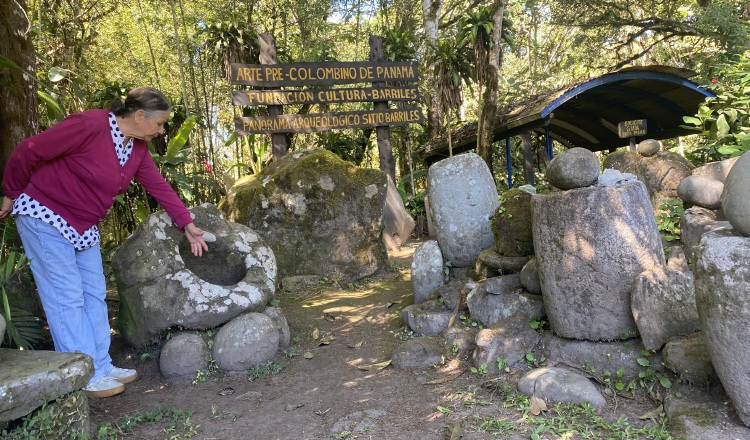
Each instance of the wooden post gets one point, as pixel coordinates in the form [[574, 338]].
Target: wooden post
[[383, 133], [528, 159], [267, 44]]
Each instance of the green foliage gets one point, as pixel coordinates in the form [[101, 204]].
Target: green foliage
[[174, 422], [63, 418], [399, 45], [351, 148], [264, 371], [23, 330], [669, 219], [724, 121]]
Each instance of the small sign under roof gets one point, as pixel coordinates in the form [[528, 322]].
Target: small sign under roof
[[637, 127]]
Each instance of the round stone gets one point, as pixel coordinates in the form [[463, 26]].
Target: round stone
[[701, 191], [247, 340], [573, 168], [735, 200], [648, 147], [183, 356]]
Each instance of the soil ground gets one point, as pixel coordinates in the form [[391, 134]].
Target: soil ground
[[322, 393]]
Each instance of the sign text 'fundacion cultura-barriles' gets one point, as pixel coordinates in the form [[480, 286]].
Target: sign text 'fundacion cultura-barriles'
[[326, 121], [323, 96], [329, 73]]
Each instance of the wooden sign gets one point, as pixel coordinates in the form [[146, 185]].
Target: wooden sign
[[628, 129], [327, 121], [323, 96], [322, 74]]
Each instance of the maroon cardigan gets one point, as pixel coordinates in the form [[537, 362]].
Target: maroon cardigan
[[72, 168]]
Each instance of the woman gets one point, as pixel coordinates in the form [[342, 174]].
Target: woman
[[59, 185]]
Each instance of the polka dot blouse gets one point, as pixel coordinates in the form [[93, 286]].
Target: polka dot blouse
[[26, 205]]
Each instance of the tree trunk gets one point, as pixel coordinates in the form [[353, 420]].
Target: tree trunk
[[431, 14], [488, 111], [18, 114]]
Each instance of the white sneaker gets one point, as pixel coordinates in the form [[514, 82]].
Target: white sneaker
[[123, 375], [104, 387]]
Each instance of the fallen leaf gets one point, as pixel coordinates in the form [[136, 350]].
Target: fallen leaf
[[328, 317], [228, 391], [391, 304], [307, 355], [445, 379], [315, 333], [537, 405], [376, 366], [653, 414], [327, 340], [293, 406], [357, 345]]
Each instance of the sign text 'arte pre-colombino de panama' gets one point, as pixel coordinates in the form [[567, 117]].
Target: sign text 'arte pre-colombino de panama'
[[325, 74]]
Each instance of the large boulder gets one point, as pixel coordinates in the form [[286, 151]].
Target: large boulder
[[511, 224], [661, 173], [722, 295], [183, 356], [716, 170], [250, 339], [591, 244], [31, 378], [694, 223], [701, 191], [663, 304], [320, 215], [162, 284], [397, 223], [734, 200], [463, 199]]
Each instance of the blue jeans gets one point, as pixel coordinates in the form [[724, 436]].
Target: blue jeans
[[72, 288]]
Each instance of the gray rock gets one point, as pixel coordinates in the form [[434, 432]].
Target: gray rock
[[693, 225], [698, 416], [507, 342], [700, 191], [600, 357], [162, 284], [31, 378], [426, 270], [663, 304], [611, 177], [502, 285], [591, 244], [716, 170], [462, 228], [560, 385], [454, 293], [688, 358], [734, 200], [491, 308], [722, 295], [285, 336], [677, 260], [183, 356], [428, 318], [491, 264], [250, 339], [2, 328], [320, 215], [511, 224], [460, 338], [530, 278], [660, 173], [417, 353], [648, 147], [300, 283], [573, 168], [397, 223]]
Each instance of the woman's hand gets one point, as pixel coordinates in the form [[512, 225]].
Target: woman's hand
[[195, 237], [6, 208]]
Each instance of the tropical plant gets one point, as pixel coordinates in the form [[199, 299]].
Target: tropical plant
[[724, 121]]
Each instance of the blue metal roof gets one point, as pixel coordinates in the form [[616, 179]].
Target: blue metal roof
[[587, 114]]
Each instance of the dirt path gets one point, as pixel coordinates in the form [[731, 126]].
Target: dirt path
[[325, 396]]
